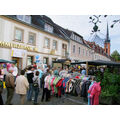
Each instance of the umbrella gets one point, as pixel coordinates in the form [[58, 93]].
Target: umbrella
[[6, 61]]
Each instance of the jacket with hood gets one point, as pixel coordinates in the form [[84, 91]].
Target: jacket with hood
[[30, 75]]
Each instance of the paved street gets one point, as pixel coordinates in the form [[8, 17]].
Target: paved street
[[64, 100]]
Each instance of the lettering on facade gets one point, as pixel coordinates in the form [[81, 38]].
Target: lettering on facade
[[19, 46]]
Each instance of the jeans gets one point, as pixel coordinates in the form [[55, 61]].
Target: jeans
[[10, 93], [30, 92], [41, 83], [47, 93], [36, 90]]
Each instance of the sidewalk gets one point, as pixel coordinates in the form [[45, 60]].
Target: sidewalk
[[64, 100]]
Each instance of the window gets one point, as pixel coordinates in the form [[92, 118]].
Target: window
[[73, 48], [25, 18], [83, 51], [30, 60], [47, 43], [89, 53], [49, 28], [55, 45], [32, 38], [79, 50], [86, 53], [18, 34], [45, 60]]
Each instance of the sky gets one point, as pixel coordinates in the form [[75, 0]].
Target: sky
[[81, 25]]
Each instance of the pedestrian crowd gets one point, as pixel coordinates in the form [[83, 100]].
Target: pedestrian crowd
[[30, 82]]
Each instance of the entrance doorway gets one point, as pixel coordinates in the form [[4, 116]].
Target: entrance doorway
[[18, 63]]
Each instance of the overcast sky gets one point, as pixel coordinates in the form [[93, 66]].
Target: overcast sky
[[81, 25]]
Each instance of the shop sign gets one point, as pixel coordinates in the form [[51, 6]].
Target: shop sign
[[18, 53], [18, 46]]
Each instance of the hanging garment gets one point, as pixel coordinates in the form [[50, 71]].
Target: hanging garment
[[52, 86], [64, 83], [54, 83], [89, 92], [95, 91], [83, 90], [59, 86]]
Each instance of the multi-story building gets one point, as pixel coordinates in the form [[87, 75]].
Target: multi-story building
[[82, 50], [29, 38], [25, 38]]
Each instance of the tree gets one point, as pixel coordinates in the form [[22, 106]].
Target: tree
[[115, 55]]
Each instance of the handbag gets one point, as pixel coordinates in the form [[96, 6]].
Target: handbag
[[35, 84]]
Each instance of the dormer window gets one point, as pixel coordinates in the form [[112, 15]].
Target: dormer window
[[49, 28], [25, 18], [76, 38]]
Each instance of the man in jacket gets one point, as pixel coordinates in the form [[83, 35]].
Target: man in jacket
[[10, 86], [30, 75], [22, 86]]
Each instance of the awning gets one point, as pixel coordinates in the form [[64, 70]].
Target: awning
[[6, 61], [98, 62]]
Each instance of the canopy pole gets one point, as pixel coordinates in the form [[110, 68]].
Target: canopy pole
[[86, 68]]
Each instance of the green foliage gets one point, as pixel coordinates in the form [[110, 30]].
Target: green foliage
[[110, 84], [116, 55]]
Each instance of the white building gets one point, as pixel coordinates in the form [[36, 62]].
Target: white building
[[23, 39], [29, 38]]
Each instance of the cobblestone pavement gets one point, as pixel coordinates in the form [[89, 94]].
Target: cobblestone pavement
[[64, 100]]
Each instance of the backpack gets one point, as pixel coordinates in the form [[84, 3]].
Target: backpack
[[35, 83]]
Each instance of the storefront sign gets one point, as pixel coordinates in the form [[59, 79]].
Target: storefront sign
[[18, 53], [19, 46]]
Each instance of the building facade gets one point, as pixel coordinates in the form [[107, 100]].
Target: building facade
[[29, 38], [24, 43]]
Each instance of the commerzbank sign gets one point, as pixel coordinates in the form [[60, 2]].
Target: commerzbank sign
[[18, 46]]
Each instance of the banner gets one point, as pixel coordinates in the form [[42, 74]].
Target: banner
[[18, 53]]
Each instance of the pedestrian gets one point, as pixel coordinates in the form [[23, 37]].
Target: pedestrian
[[1, 90], [15, 71], [36, 86], [40, 75], [22, 86], [9, 80], [45, 91], [30, 75], [35, 65], [56, 72], [83, 72]]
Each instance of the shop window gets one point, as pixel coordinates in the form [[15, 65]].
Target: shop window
[[47, 43], [30, 60], [45, 60], [32, 38], [18, 34]]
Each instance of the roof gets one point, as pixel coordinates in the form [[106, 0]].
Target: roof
[[99, 62], [61, 61], [38, 21]]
